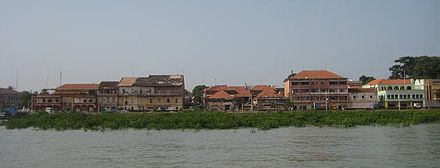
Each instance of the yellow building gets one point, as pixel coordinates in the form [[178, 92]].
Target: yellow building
[[152, 93]]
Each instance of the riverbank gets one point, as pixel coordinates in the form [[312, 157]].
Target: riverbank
[[221, 120]]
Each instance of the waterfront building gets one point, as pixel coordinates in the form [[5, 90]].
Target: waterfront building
[[317, 89], [152, 93], [78, 97], [10, 98], [107, 96], [267, 98], [227, 98], [161, 92], [398, 93], [432, 93], [362, 98], [127, 94], [243, 98], [46, 99]]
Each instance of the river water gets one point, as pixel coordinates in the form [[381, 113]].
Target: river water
[[414, 146]]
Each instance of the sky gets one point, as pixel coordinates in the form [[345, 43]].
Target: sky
[[211, 42]]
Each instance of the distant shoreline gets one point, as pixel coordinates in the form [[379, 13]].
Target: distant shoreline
[[221, 120]]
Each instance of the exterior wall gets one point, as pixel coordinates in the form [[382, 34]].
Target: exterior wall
[[41, 102], [400, 95], [312, 94], [432, 93], [107, 99], [362, 100], [221, 105], [287, 88], [10, 98], [150, 98], [269, 104]]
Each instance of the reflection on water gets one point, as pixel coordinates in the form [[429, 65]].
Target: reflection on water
[[414, 146]]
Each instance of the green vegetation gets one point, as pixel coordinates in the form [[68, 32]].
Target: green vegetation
[[221, 120], [421, 67]]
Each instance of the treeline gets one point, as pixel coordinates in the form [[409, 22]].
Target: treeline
[[421, 67]]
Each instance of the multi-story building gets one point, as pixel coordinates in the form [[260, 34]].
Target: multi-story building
[[432, 92], [68, 97], [243, 98], [152, 93], [398, 93], [317, 89], [267, 98], [9, 98], [362, 98], [107, 96], [161, 92], [227, 98], [45, 100], [127, 94], [78, 97]]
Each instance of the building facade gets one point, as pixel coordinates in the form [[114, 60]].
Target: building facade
[[46, 100], [227, 98], [10, 98], [152, 93], [432, 92], [161, 92], [362, 98], [267, 98], [317, 89], [398, 93], [107, 96]]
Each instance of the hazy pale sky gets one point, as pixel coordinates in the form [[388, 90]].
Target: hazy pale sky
[[210, 42]]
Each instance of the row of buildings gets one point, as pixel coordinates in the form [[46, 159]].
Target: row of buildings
[[308, 89], [152, 93], [321, 89]]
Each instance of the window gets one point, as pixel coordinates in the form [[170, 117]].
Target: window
[[389, 88], [354, 97], [408, 88], [371, 97], [168, 100], [363, 97], [177, 100], [151, 100], [158, 100], [396, 88]]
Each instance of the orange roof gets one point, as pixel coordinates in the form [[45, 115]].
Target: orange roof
[[127, 81], [266, 91], [317, 74], [240, 91], [78, 87], [390, 82], [220, 95]]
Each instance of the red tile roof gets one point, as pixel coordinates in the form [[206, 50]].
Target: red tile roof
[[266, 91], [220, 95], [240, 91], [390, 82], [317, 74], [78, 87]]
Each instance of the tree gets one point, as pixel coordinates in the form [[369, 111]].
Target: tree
[[365, 79], [416, 67], [197, 93], [26, 98]]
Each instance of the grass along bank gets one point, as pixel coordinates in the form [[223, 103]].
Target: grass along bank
[[221, 120]]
